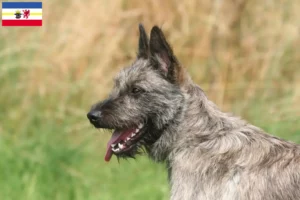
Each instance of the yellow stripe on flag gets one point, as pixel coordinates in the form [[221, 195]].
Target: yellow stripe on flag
[[12, 14]]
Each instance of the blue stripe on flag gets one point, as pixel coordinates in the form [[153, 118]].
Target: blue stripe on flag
[[21, 4]]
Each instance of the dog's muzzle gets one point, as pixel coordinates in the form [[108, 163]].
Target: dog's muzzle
[[95, 117]]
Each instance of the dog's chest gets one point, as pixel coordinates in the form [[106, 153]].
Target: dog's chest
[[191, 180]]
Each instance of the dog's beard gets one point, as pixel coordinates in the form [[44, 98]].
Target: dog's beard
[[129, 142], [124, 141]]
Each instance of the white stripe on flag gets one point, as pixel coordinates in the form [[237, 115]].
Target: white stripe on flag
[[13, 10], [14, 17]]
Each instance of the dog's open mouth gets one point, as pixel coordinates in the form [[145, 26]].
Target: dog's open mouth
[[123, 140]]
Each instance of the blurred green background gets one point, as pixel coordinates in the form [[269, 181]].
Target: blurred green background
[[244, 54]]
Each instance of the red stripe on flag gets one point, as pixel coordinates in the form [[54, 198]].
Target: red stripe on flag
[[22, 22]]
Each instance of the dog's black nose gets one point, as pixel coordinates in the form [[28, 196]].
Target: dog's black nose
[[94, 116]]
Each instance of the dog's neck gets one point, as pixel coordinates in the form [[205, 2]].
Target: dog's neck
[[205, 120], [159, 151]]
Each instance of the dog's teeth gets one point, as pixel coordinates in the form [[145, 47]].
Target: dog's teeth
[[113, 145], [137, 130], [133, 134], [116, 150], [121, 146], [140, 125], [127, 139]]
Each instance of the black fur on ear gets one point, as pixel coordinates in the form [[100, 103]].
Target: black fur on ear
[[162, 55], [143, 50]]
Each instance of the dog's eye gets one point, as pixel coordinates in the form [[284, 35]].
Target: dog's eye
[[136, 90]]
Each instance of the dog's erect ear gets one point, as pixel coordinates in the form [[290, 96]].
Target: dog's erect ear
[[162, 55], [143, 43]]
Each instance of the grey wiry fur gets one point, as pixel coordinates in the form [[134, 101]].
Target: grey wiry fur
[[210, 155]]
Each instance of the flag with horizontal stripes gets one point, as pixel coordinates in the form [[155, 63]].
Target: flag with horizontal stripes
[[22, 14]]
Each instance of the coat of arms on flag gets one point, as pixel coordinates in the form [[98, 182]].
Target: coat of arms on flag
[[21, 13]]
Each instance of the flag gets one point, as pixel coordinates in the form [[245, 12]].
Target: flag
[[21, 13]]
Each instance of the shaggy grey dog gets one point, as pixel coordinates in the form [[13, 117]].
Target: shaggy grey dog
[[210, 155]]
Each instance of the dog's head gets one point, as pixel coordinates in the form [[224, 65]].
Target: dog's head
[[145, 99]]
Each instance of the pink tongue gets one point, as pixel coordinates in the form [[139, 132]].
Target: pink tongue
[[117, 135], [113, 138]]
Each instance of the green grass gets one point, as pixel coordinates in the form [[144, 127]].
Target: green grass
[[48, 149], [47, 154], [45, 163]]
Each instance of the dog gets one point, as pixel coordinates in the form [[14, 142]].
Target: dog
[[155, 107]]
